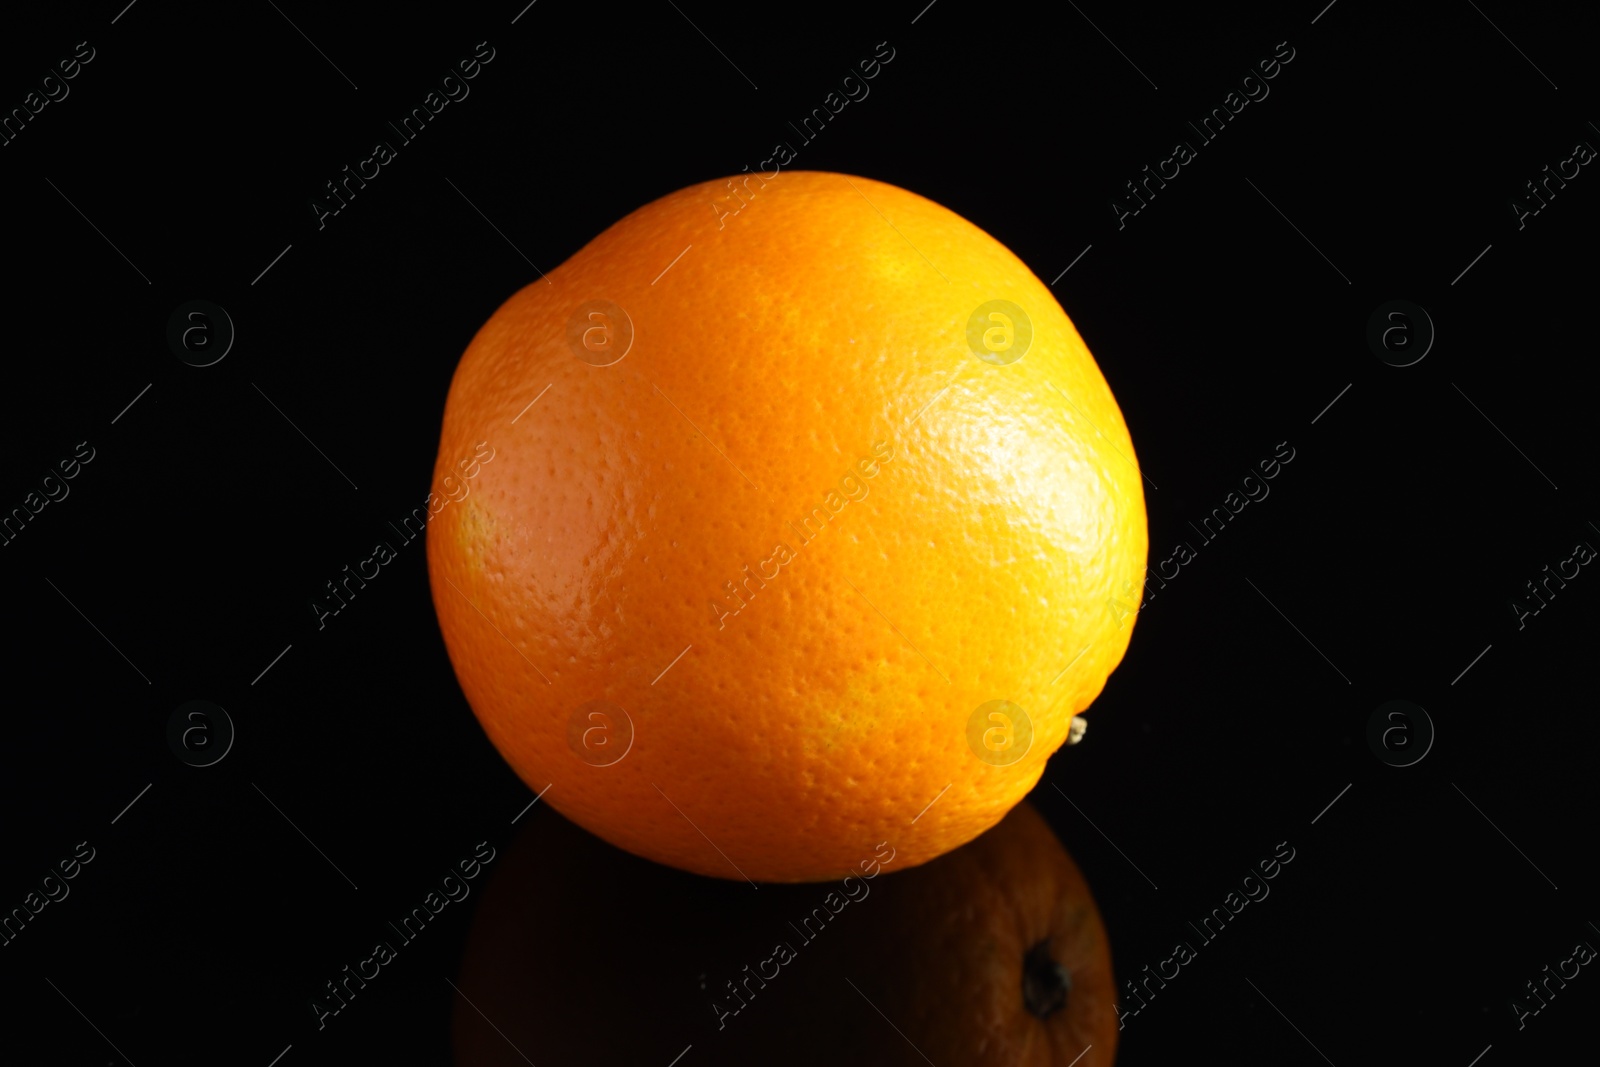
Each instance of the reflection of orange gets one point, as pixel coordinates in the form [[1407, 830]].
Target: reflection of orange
[[1011, 964], [991, 955], [800, 495]]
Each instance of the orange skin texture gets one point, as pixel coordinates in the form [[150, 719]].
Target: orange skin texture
[[582, 954], [828, 315]]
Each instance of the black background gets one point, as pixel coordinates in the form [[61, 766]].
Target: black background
[[185, 557]]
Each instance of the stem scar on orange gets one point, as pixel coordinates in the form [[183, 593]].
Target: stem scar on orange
[[801, 534]]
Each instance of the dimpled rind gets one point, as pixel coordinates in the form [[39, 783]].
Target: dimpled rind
[[799, 532]]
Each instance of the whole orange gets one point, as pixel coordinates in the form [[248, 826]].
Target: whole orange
[[763, 534]]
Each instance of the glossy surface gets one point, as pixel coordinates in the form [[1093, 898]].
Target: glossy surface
[[649, 960]]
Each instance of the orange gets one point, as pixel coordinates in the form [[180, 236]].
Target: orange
[[994, 955], [759, 545]]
